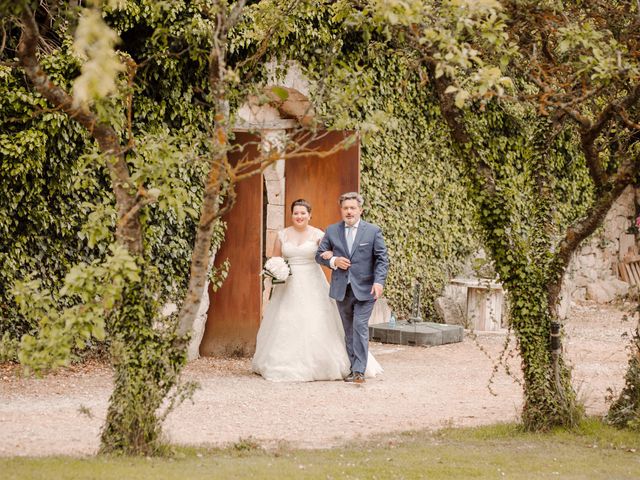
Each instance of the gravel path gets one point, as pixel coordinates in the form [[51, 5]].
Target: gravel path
[[421, 388]]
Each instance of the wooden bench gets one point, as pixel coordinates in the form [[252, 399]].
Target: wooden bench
[[629, 269]]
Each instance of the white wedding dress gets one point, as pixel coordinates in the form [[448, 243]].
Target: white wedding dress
[[301, 337]]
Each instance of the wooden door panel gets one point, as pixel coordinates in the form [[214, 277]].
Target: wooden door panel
[[234, 312]]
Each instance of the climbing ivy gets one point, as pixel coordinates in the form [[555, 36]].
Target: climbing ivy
[[44, 196], [56, 208], [414, 192], [540, 186]]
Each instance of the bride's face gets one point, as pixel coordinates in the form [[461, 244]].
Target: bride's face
[[300, 216]]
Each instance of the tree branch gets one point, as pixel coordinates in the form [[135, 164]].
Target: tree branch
[[589, 134], [129, 233]]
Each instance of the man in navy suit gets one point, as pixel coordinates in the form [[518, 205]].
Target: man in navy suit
[[360, 264]]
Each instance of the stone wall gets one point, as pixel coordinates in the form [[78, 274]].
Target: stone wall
[[593, 271]]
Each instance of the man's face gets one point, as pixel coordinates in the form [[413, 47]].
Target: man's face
[[351, 211]]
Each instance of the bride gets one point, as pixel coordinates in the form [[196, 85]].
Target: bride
[[301, 337]]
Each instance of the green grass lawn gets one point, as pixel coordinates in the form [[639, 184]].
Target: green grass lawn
[[500, 451]]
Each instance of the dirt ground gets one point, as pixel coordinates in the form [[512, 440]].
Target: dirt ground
[[421, 388]]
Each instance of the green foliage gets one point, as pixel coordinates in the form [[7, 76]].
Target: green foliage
[[8, 348], [624, 411], [45, 195], [56, 208], [414, 192], [94, 291], [94, 43]]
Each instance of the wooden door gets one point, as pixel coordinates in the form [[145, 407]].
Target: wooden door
[[234, 311]]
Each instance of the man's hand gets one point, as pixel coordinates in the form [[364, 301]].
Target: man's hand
[[343, 263], [376, 290]]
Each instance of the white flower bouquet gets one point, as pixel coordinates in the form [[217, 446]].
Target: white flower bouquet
[[278, 269]]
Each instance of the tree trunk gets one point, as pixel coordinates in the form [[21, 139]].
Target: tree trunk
[[549, 397], [147, 366], [201, 250]]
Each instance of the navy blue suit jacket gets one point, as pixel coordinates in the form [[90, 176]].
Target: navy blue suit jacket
[[369, 259]]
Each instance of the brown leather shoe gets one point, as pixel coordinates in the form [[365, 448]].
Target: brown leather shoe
[[358, 377]]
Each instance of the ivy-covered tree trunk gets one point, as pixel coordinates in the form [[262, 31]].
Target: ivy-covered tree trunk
[[147, 366], [522, 264], [528, 241], [549, 396], [146, 361], [520, 243]]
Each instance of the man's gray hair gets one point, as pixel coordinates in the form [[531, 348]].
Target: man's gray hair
[[352, 196]]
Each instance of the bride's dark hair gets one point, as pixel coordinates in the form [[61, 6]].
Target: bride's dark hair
[[301, 202]]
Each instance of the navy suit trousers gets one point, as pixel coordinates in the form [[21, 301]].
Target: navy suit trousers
[[355, 319]]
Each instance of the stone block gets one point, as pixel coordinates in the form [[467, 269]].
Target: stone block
[[627, 243], [275, 217], [606, 291], [280, 168], [586, 250], [275, 192], [613, 227], [449, 311], [579, 294], [580, 281], [600, 292], [425, 333], [254, 114], [588, 261], [620, 287], [275, 171], [456, 293], [592, 274], [564, 307]]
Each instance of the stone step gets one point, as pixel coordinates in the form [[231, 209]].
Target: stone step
[[423, 333]]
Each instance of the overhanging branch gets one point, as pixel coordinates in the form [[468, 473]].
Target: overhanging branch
[[129, 232]]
